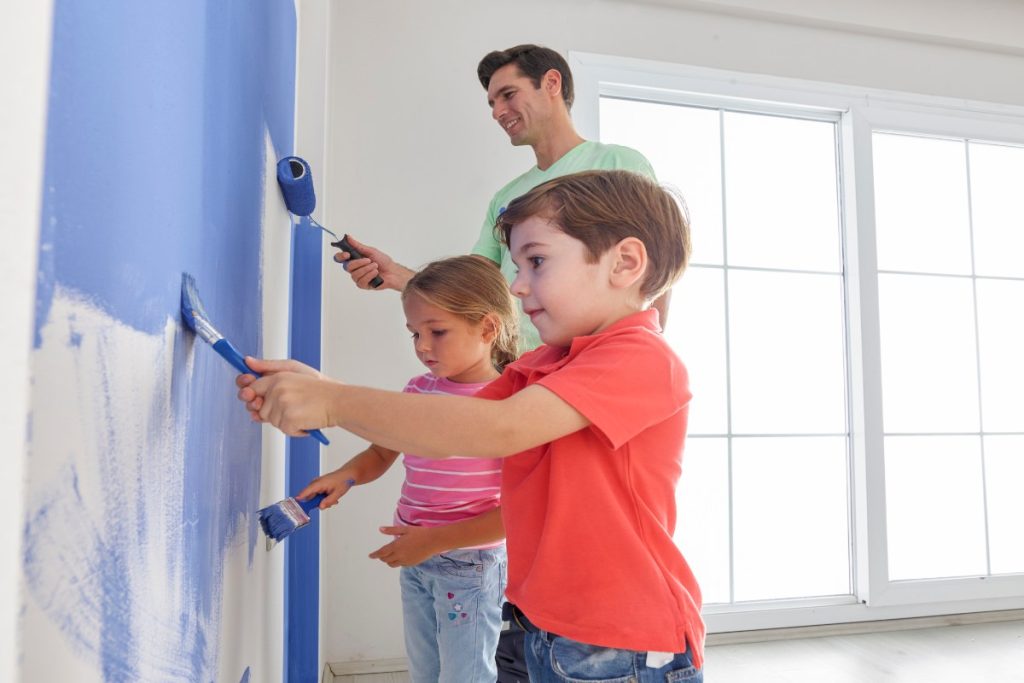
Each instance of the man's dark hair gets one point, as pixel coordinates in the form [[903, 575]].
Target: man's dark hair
[[533, 62]]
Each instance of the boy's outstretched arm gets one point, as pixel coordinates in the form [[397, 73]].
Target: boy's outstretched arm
[[414, 544], [294, 400]]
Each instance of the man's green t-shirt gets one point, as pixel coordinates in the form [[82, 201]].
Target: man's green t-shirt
[[586, 156]]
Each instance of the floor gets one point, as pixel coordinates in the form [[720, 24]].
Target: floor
[[989, 653]]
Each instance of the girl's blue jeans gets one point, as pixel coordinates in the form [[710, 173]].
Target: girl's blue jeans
[[452, 611], [554, 659]]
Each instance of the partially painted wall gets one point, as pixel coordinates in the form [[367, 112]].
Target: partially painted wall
[[142, 557]]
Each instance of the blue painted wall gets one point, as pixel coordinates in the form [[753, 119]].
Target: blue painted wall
[[155, 163]]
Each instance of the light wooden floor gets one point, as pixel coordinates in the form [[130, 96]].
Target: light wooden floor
[[985, 653]]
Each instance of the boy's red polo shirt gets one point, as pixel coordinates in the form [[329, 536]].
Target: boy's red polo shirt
[[589, 518]]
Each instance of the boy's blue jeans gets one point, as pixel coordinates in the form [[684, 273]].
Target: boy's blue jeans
[[554, 659], [451, 605]]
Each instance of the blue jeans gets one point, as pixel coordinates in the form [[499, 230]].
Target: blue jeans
[[554, 659], [451, 605]]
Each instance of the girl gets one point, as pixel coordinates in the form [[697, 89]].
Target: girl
[[449, 535]]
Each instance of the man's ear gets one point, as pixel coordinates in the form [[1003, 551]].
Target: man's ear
[[551, 81], [630, 262]]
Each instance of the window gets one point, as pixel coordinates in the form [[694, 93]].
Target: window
[[759, 320], [852, 321]]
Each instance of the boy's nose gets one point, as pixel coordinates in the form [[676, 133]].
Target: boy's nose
[[518, 287]]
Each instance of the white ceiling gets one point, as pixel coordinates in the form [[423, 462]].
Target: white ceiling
[[992, 25]]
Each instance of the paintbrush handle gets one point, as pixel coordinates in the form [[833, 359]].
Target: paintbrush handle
[[313, 502], [229, 353]]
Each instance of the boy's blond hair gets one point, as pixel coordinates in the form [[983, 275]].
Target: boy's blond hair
[[601, 208], [472, 287]]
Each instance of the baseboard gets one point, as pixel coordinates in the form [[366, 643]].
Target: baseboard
[[738, 637], [857, 627], [375, 666]]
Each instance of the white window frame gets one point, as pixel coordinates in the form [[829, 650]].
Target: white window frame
[[859, 113]]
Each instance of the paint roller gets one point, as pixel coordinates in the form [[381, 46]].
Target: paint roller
[[296, 180]]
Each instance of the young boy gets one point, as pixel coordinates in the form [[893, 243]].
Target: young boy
[[594, 421]]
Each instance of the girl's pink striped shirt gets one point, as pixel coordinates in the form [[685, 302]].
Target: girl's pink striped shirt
[[439, 492]]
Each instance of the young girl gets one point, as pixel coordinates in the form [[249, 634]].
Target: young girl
[[449, 535]]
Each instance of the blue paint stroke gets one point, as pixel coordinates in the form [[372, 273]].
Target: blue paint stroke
[[155, 166], [245, 676]]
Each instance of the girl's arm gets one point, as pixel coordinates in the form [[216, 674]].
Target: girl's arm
[[430, 426], [414, 544], [363, 468]]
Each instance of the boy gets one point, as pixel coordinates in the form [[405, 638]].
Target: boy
[[595, 420]]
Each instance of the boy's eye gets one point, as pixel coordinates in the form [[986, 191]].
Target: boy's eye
[[438, 333], [415, 335]]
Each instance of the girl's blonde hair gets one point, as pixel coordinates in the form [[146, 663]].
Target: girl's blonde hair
[[472, 287]]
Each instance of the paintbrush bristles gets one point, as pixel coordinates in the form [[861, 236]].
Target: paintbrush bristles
[[283, 518], [193, 313]]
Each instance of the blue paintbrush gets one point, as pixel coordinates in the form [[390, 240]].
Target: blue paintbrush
[[289, 515], [194, 315], [286, 517]]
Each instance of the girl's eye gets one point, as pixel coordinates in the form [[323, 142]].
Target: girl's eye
[[415, 335], [535, 261], [438, 333]]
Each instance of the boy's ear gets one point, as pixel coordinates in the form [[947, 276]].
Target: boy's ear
[[630, 262]]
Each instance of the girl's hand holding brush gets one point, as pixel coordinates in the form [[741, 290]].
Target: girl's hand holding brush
[[333, 486]]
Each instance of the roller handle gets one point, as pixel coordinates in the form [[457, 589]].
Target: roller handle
[[345, 245], [229, 353]]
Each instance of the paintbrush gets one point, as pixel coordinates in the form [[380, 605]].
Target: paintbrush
[[289, 515], [194, 315], [286, 517]]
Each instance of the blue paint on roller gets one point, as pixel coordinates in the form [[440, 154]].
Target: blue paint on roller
[[296, 180]]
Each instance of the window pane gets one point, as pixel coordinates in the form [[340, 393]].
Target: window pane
[[934, 507], [702, 528], [786, 345], [997, 176], [780, 190], [929, 366], [921, 218], [683, 145], [1001, 338], [1004, 475], [790, 517], [696, 330]]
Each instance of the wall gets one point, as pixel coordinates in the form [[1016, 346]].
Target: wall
[[414, 157], [142, 554], [24, 40]]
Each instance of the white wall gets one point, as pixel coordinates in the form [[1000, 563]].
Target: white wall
[[25, 42], [414, 158]]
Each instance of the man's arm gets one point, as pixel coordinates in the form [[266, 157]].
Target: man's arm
[[428, 425], [374, 262]]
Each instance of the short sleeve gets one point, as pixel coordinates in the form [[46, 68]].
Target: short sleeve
[[623, 384], [487, 244], [501, 388]]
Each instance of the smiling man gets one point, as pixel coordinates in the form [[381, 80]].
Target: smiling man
[[530, 94]]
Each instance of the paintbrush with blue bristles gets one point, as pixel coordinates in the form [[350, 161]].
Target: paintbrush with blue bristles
[[286, 517], [194, 315]]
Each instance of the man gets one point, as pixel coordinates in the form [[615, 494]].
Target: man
[[530, 94]]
